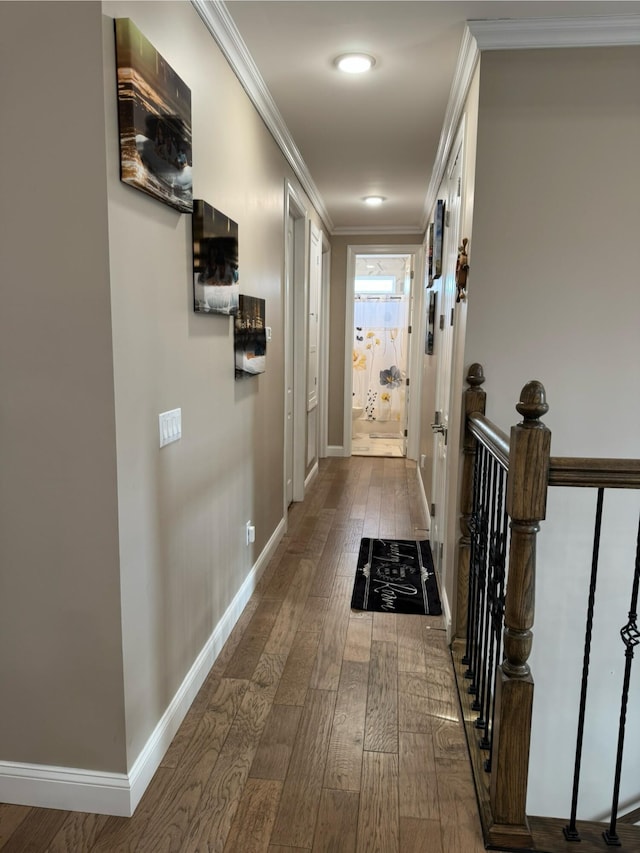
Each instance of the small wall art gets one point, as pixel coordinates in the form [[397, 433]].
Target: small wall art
[[250, 337], [154, 117], [438, 237], [431, 323], [429, 281], [216, 288]]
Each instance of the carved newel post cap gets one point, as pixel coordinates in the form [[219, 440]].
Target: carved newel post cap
[[533, 401], [475, 375]]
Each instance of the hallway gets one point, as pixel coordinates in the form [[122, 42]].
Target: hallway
[[318, 728]]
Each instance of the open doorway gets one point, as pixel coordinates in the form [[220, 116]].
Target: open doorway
[[378, 338]]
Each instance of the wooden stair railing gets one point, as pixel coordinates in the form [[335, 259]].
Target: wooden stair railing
[[505, 479]]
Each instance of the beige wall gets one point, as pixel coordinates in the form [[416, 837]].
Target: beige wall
[[553, 296], [339, 246], [60, 638], [120, 559]]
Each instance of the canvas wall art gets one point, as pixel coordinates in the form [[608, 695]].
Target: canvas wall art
[[154, 117], [438, 238], [250, 337], [216, 288]]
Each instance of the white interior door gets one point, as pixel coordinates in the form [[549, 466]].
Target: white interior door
[[446, 296]]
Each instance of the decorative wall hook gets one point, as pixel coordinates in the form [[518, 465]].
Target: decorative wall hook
[[462, 268]]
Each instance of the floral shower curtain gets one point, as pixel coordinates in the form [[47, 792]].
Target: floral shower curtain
[[380, 356]]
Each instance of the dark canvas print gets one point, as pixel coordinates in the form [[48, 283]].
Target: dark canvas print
[[154, 116], [250, 337], [216, 288]]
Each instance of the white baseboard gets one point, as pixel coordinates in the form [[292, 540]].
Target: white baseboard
[[313, 473], [335, 450], [81, 790]]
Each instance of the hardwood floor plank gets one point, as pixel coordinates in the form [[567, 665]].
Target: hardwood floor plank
[[413, 695], [421, 836], [290, 614], [252, 825], [254, 639], [357, 645], [79, 832], [10, 819], [385, 627], [378, 819], [124, 834], [180, 804], [459, 819], [344, 758], [296, 676], [326, 672], [411, 643], [314, 614], [381, 724], [35, 833], [417, 786], [300, 800], [271, 760], [337, 825], [208, 830]]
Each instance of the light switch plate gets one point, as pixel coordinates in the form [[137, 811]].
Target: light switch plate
[[170, 425]]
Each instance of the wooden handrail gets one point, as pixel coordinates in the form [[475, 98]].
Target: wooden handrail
[[594, 473], [489, 435]]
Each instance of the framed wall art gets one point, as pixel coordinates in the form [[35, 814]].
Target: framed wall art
[[429, 281], [216, 288], [438, 238], [154, 118], [431, 323], [250, 337]]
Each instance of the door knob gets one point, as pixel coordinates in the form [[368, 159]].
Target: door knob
[[439, 428]]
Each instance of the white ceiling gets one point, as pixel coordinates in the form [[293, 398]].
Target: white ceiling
[[376, 133]]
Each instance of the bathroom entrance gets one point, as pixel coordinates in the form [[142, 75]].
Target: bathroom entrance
[[381, 311]]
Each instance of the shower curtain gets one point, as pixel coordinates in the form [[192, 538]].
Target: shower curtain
[[380, 356]]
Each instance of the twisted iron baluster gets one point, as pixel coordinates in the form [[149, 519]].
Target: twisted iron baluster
[[570, 831], [630, 637], [498, 553], [481, 580], [498, 625], [481, 721]]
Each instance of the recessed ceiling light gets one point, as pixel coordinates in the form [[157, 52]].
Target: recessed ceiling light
[[373, 200], [355, 63]]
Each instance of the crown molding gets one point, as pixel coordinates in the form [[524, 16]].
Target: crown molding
[[468, 57], [556, 32], [377, 229], [478, 36], [219, 22]]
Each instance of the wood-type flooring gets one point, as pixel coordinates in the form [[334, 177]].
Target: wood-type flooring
[[318, 728]]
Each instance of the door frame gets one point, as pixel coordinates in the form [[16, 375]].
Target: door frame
[[446, 366], [295, 353], [413, 404]]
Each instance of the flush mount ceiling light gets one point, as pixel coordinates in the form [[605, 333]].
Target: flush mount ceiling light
[[354, 63], [373, 200]]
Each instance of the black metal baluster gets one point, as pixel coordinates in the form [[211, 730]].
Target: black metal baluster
[[630, 637], [497, 579], [498, 626], [481, 721], [473, 531], [475, 566], [570, 831], [482, 579]]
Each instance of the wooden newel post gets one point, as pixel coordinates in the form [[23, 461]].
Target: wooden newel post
[[474, 399], [526, 505]]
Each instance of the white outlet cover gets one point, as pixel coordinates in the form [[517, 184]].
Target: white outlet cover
[[170, 426]]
